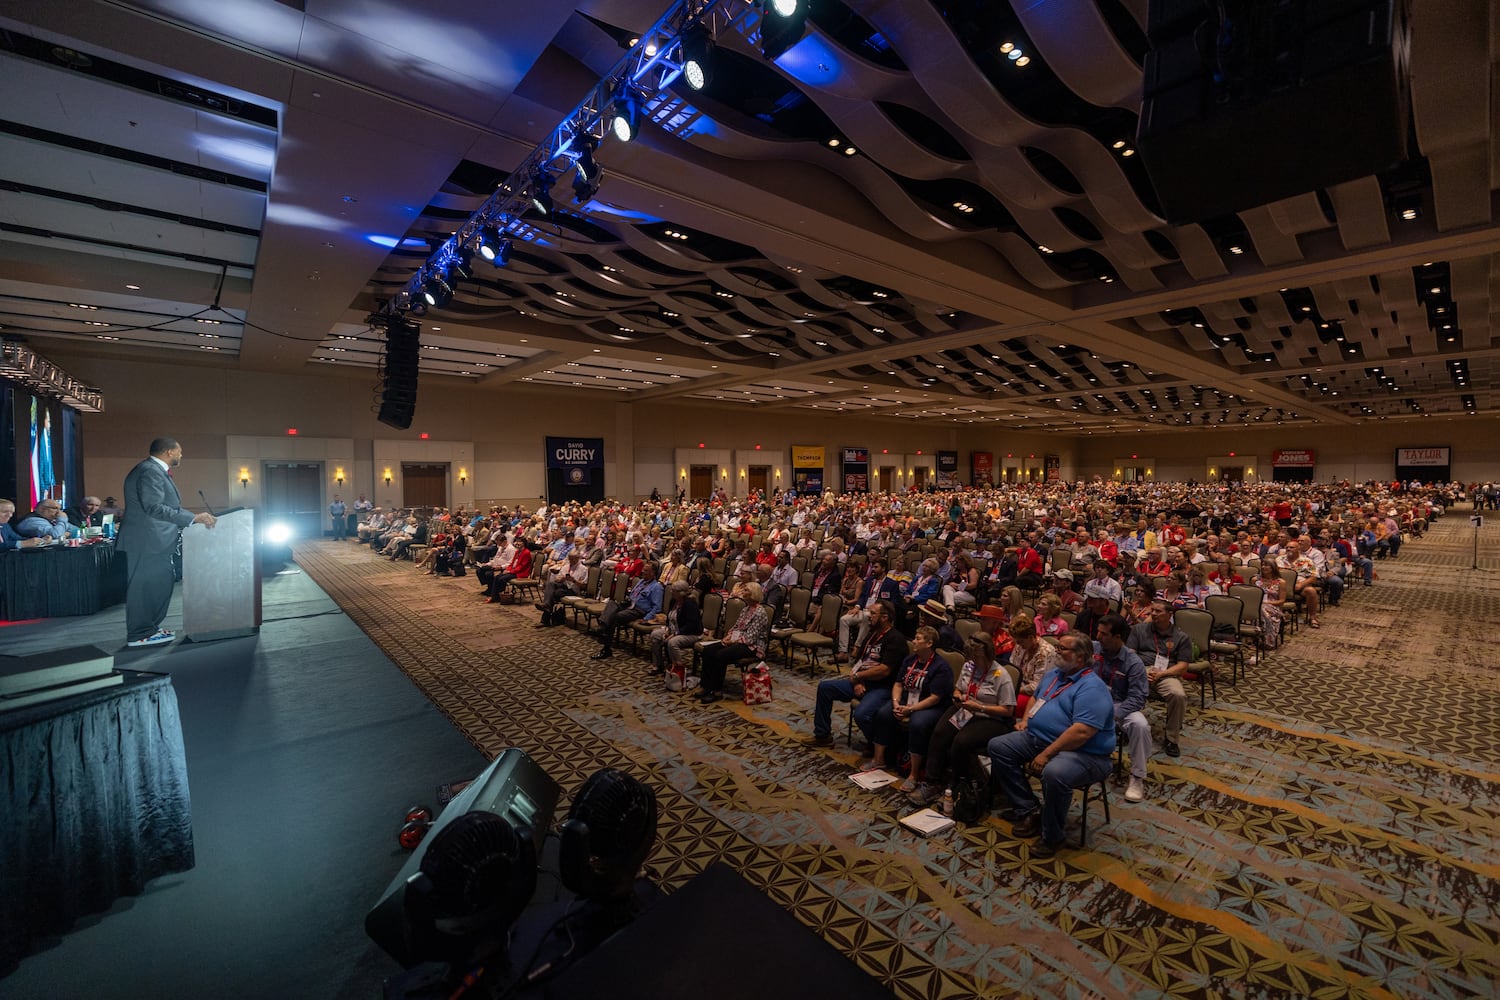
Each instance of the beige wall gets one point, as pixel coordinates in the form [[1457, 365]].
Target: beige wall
[[497, 435], [1354, 453]]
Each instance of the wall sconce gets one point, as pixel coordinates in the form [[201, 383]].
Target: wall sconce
[[681, 473], [1148, 472], [338, 476], [778, 473], [1118, 472], [723, 473], [244, 477], [388, 477], [1249, 472], [1212, 471], [742, 473], [463, 475]]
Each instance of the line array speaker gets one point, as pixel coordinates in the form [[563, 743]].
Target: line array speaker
[[398, 391]]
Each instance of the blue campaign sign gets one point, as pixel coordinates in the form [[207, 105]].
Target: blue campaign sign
[[574, 453], [574, 463]]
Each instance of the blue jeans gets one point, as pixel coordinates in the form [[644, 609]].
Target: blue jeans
[[1009, 755], [842, 689], [919, 727]]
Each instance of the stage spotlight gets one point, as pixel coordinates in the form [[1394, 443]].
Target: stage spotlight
[[588, 168], [436, 291], [493, 247], [461, 264], [608, 833], [584, 189], [782, 25], [697, 52], [541, 192], [587, 172], [626, 122]]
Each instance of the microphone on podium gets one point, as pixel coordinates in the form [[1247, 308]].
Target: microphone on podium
[[205, 503]]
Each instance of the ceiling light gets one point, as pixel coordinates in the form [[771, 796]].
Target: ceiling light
[[697, 51], [626, 122], [493, 247], [1023, 61], [785, 29], [436, 292], [541, 192], [850, 150]]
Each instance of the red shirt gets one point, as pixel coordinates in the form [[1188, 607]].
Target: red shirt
[[521, 564], [1028, 561]]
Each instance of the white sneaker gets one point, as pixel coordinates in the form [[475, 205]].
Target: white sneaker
[[155, 639], [1136, 791]]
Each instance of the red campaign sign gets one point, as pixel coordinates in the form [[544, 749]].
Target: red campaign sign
[[982, 468], [1298, 457]]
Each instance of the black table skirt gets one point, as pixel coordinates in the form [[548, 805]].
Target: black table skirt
[[96, 800], [60, 580]]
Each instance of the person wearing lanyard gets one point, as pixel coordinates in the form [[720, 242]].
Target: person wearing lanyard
[[869, 679], [1167, 653], [1066, 739], [920, 696], [1122, 670]]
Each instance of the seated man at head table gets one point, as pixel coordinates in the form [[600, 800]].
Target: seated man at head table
[[88, 514], [9, 539], [47, 521]]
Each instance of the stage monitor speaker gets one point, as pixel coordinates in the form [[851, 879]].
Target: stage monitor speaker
[[1270, 101], [513, 788], [398, 391]]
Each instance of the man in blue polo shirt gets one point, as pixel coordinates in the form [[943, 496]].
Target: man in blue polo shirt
[[1065, 739]]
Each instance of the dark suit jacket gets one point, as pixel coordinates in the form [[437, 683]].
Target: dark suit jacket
[[153, 511], [889, 589]]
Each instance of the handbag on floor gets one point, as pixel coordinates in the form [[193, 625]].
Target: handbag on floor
[[678, 679], [757, 684]]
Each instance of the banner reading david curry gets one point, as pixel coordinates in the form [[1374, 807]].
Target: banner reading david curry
[[578, 459]]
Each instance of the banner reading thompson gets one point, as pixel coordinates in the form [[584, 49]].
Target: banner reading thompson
[[575, 469], [807, 468]]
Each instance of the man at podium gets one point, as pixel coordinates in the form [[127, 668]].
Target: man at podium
[[154, 520]]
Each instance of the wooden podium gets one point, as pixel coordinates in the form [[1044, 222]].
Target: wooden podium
[[221, 578]]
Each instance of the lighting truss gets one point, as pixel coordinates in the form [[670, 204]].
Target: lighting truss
[[20, 363], [652, 65]]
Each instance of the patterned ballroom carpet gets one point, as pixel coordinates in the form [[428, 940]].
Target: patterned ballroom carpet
[[1330, 830]]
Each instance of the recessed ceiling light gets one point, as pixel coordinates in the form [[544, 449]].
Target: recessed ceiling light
[[134, 288]]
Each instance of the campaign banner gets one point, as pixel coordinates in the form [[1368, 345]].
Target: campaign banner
[[982, 468], [1299, 458], [856, 470], [1053, 466], [1421, 456], [806, 456], [807, 481], [575, 461], [947, 470]]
